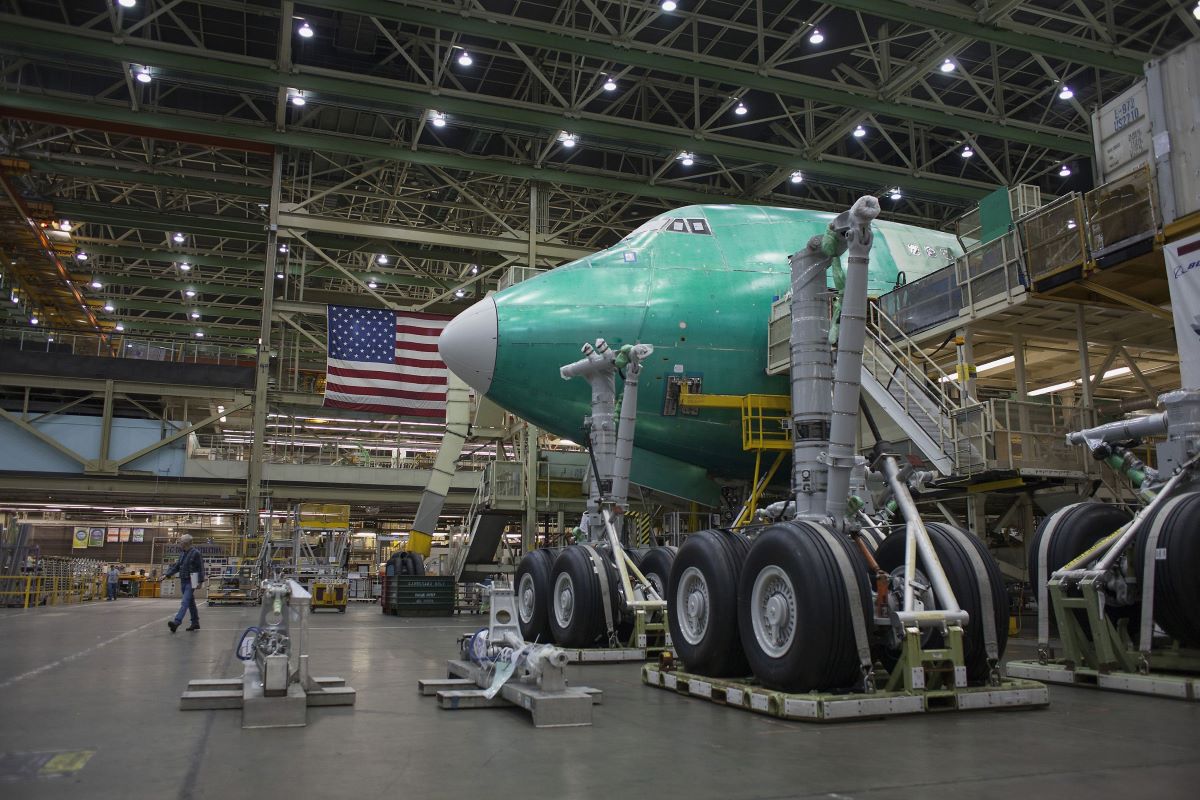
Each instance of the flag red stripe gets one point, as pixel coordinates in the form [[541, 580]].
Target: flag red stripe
[[425, 363], [418, 346], [371, 374], [407, 411], [418, 331], [406, 315], [380, 391]]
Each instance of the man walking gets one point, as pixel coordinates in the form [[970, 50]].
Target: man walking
[[114, 577], [190, 568]]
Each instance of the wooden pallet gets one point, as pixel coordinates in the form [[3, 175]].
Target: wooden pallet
[[814, 707]]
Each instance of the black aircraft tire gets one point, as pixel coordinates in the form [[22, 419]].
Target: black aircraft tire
[[966, 586], [578, 622], [532, 583], [1078, 528], [1177, 563], [705, 575], [792, 566], [656, 566]]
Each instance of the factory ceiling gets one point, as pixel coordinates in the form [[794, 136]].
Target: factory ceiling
[[412, 133]]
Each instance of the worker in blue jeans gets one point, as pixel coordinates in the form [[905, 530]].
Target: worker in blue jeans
[[190, 568], [114, 579]]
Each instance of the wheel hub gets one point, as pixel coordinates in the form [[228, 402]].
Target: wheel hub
[[692, 597], [527, 600], [774, 612], [564, 600]]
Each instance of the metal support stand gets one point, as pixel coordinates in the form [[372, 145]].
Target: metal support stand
[[276, 688], [499, 669]]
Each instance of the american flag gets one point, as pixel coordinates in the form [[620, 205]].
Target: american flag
[[385, 361]]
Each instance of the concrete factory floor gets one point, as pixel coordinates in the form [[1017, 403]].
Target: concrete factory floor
[[106, 677]]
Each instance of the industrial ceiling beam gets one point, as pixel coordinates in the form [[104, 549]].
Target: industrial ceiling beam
[[1068, 48], [390, 94], [629, 51], [404, 233], [73, 113], [125, 175]]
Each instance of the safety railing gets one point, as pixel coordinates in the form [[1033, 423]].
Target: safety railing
[[990, 271], [1054, 238], [1121, 212], [370, 455], [1023, 436], [31, 591], [911, 377], [118, 345]]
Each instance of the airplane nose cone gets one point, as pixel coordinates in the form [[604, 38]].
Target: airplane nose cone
[[468, 345]]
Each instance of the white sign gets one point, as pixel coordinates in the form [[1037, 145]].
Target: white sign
[[1183, 275]]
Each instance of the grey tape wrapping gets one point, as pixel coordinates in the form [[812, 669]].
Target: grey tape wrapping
[[602, 575], [1043, 575], [852, 594], [1149, 563], [991, 644]]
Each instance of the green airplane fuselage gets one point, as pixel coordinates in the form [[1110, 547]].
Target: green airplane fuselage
[[697, 283]]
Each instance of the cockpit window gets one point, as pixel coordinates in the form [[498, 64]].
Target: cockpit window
[[678, 225], [699, 226]]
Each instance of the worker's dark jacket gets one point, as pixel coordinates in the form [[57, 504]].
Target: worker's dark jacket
[[189, 561]]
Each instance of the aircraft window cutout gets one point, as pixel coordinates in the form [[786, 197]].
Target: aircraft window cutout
[[679, 226], [699, 226]]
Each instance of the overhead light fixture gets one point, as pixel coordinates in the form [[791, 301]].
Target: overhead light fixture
[[816, 37], [474, 269], [178, 238], [305, 30], [109, 308], [609, 84], [127, 3], [460, 293], [1196, 11], [967, 152], [120, 328], [81, 256], [668, 5], [278, 276], [33, 320], [195, 315], [382, 259], [1065, 93], [686, 158], [797, 177], [143, 75], [65, 226], [371, 284], [199, 334], [185, 267], [95, 284], [567, 140], [740, 109], [297, 97], [947, 66], [1064, 171], [1071, 225], [189, 292], [895, 194], [1058, 387], [438, 119], [859, 132], [464, 60], [283, 248]]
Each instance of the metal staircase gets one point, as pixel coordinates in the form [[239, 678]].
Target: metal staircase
[[495, 505], [911, 389]]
